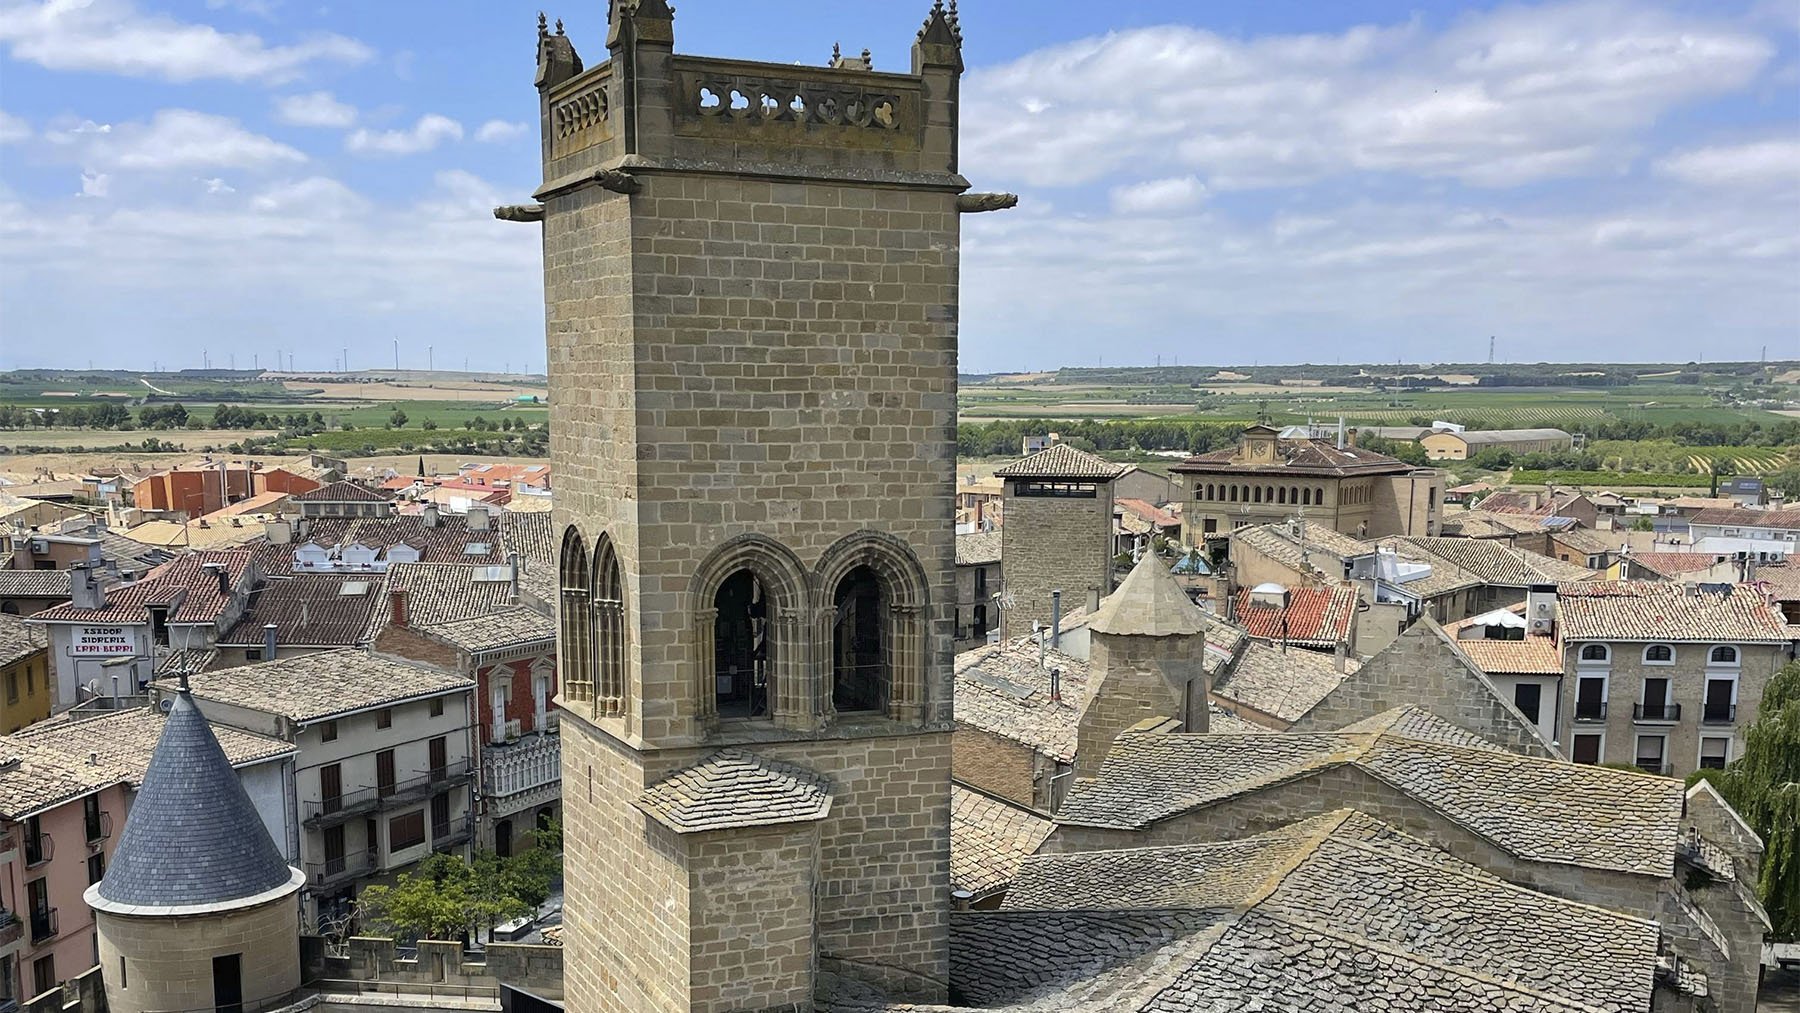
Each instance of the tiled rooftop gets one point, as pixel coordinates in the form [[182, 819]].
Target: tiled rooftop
[[1281, 684], [1674, 564], [344, 492], [1062, 461], [1312, 616], [1489, 562], [1001, 690], [310, 687], [1528, 656], [20, 639], [733, 788], [989, 837], [532, 537], [982, 547], [437, 593], [449, 541], [1779, 520], [310, 610], [496, 631], [1663, 610], [127, 738], [1149, 603], [201, 603], [42, 777], [1299, 457], [34, 583], [1537, 809]]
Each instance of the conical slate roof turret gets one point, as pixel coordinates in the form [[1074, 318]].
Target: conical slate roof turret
[[194, 841], [1149, 604]]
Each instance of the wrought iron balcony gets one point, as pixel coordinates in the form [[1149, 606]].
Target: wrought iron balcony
[[1656, 712], [11, 928], [1718, 713], [342, 869], [43, 925], [39, 849], [1590, 710], [457, 831], [99, 827], [340, 808]]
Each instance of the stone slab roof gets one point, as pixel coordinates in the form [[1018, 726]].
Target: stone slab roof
[[19, 639], [1314, 616], [186, 661], [1488, 524], [1667, 611], [1000, 689], [978, 549], [989, 838], [732, 789], [531, 535], [1537, 809], [34, 777], [1149, 603], [194, 839], [1489, 562], [1065, 462], [496, 631], [1415, 722], [128, 738], [1326, 915], [1281, 684], [309, 610], [313, 687]]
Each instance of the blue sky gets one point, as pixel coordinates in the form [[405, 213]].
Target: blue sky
[[1252, 181]]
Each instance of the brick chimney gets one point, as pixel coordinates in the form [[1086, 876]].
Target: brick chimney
[[397, 606], [84, 591]]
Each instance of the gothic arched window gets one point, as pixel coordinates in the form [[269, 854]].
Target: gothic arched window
[[610, 688], [742, 647], [575, 663], [859, 648]]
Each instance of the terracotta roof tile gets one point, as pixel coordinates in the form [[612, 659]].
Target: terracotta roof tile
[[311, 687], [1674, 564], [35, 777], [1662, 610], [344, 492], [1778, 520], [1281, 684], [20, 639], [1489, 562], [183, 583], [309, 610], [1298, 457], [496, 631], [127, 738], [1318, 616], [978, 549]]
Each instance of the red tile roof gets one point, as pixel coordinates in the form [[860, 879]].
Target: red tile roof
[[1785, 520], [184, 579], [1670, 564], [1314, 615], [1148, 513], [310, 610], [1299, 457], [344, 492]]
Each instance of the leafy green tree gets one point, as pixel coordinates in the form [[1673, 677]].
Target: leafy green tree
[[1763, 785], [397, 419], [429, 424], [444, 898], [1643, 524]]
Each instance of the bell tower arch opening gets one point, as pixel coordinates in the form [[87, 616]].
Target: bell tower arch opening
[[608, 602], [574, 619], [741, 647], [859, 649]]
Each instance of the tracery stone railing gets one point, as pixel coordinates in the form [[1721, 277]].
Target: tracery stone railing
[[579, 112]]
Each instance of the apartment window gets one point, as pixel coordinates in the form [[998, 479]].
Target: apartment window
[[437, 706], [1586, 748], [1720, 705], [12, 687], [1656, 705], [1590, 699], [331, 787], [1714, 753], [1528, 697], [440, 757], [328, 732], [981, 620], [384, 773], [384, 718], [1078, 490], [37, 843], [1724, 654], [43, 974], [93, 820], [980, 583], [440, 817], [253, 654], [1595, 652], [1659, 654], [96, 868], [406, 831], [1210, 526], [1650, 753]]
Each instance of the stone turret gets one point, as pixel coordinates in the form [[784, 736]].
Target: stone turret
[[198, 909], [1148, 660]]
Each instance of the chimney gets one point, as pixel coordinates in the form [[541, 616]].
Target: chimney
[[1340, 439], [1340, 656], [84, 591], [224, 577], [478, 517], [1056, 685], [397, 606], [512, 566], [269, 641], [1056, 620], [1093, 600], [430, 514]]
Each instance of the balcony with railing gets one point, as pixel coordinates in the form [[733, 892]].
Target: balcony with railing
[[39, 849], [1656, 712], [453, 832], [342, 869], [334, 809], [99, 826], [1590, 710], [1650, 766], [43, 925], [530, 763], [1718, 714], [11, 928]]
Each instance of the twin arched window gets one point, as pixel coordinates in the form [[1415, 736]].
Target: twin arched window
[[591, 620], [1724, 654], [1659, 654], [1595, 652]]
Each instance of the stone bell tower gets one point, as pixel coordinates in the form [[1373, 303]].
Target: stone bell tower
[[750, 275]]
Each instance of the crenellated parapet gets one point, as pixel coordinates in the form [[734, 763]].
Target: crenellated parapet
[[646, 107]]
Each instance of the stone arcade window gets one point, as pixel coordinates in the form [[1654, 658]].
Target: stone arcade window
[[577, 662], [859, 660], [741, 647], [609, 630]]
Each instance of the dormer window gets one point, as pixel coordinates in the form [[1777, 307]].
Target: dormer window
[[1724, 654], [1595, 652], [1659, 654]]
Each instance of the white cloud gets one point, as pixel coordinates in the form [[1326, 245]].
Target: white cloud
[[1759, 163], [1496, 99], [12, 128], [176, 139], [314, 109], [215, 185], [1159, 196], [95, 184], [113, 36], [495, 131], [260, 8], [315, 195], [430, 131]]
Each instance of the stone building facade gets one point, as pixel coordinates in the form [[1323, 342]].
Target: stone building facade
[[1057, 535], [751, 307]]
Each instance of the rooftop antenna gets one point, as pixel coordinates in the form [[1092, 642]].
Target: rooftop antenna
[[1490, 349]]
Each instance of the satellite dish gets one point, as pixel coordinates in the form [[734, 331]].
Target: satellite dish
[[165, 705]]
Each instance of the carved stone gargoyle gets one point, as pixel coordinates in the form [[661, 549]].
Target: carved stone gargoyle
[[975, 203], [520, 212]]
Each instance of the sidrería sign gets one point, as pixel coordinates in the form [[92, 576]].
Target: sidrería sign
[[103, 642]]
